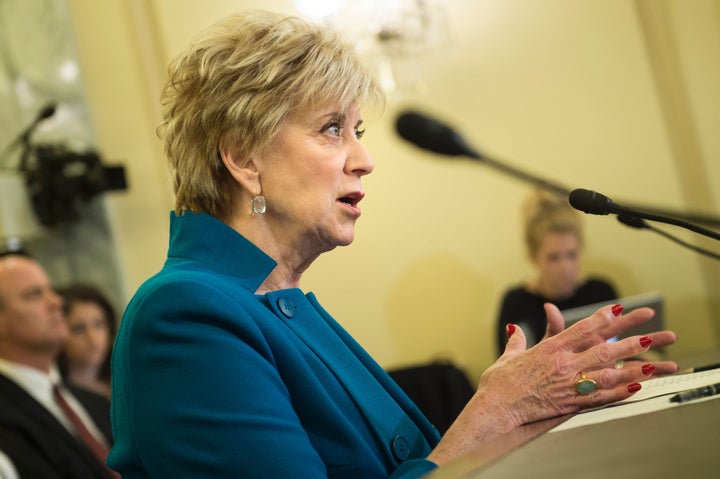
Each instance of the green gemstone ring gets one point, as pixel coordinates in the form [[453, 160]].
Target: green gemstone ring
[[585, 385]]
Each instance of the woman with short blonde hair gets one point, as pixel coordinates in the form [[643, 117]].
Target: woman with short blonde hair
[[223, 367]]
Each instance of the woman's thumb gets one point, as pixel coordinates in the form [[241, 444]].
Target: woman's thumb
[[517, 342]]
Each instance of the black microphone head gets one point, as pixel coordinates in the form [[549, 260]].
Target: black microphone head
[[592, 202], [47, 111], [432, 135]]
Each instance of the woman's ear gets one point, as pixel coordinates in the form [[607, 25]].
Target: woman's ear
[[3, 326], [531, 257], [242, 169]]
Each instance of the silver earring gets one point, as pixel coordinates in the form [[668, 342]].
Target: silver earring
[[259, 205]]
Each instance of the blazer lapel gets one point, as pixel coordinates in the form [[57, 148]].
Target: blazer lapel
[[388, 420]]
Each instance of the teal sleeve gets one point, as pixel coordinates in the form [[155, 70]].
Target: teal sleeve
[[198, 396], [413, 468]]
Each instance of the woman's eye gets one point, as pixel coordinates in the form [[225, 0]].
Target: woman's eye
[[359, 133], [77, 329], [333, 129]]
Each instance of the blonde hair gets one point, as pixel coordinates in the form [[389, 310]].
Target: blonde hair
[[545, 212], [235, 85]]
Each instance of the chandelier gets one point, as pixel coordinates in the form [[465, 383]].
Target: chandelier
[[392, 35]]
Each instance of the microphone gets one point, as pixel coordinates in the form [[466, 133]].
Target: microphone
[[594, 203], [47, 111], [432, 135], [23, 138]]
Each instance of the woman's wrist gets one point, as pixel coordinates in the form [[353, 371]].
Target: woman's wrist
[[484, 418]]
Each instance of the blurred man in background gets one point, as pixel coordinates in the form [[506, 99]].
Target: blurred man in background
[[47, 429]]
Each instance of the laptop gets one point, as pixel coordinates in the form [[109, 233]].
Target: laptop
[[652, 300]]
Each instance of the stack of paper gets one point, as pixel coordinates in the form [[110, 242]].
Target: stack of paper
[[654, 396]]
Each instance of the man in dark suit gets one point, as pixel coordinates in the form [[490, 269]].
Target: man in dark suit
[[47, 429]]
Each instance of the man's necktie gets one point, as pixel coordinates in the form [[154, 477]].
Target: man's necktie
[[99, 450]]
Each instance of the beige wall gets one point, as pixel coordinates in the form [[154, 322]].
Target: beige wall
[[604, 94]]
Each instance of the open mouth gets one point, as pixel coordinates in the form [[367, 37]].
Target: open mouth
[[351, 199]]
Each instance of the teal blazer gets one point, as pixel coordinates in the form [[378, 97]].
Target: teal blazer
[[211, 380]]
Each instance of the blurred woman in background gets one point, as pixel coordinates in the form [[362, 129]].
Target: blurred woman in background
[[554, 240], [85, 359]]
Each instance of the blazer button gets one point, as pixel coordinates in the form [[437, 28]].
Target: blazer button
[[400, 448], [286, 307]]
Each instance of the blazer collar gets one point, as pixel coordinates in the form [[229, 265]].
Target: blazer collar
[[203, 239]]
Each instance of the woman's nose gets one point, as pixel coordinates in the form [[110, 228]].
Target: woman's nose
[[359, 161], [55, 299]]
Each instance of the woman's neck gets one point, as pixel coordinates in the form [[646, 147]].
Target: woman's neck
[[85, 375], [543, 289], [293, 256]]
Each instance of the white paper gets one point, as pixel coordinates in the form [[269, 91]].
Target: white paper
[[672, 384], [654, 396]]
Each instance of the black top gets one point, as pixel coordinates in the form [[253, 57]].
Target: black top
[[520, 306]]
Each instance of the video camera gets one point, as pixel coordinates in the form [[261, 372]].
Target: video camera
[[58, 180]]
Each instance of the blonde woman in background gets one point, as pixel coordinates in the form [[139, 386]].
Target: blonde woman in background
[[554, 240]]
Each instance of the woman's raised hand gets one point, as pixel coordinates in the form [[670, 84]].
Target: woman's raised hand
[[546, 377], [570, 369]]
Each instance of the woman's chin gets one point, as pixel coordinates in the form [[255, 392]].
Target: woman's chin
[[345, 236]]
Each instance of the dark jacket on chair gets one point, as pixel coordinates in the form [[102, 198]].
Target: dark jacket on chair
[[440, 389]]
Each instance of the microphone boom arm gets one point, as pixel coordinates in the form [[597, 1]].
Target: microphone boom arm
[[525, 176], [433, 135], [671, 221], [684, 220]]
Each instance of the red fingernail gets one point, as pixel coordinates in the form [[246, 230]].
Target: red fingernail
[[617, 309], [510, 330], [634, 387], [645, 341], [648, 369]]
